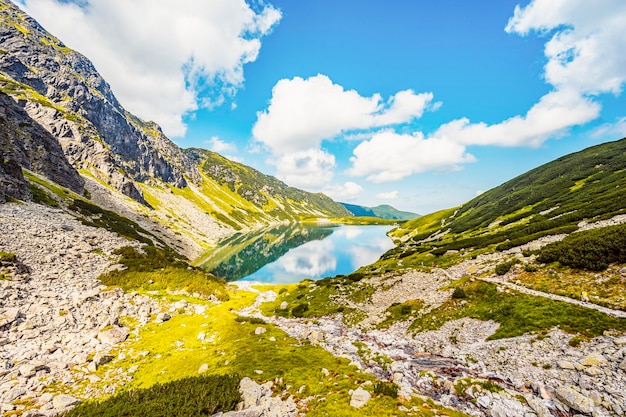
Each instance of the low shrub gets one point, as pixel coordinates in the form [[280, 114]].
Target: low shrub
[[188, 397], [504, 267], [458, 293], [388, 389], [299, 310]]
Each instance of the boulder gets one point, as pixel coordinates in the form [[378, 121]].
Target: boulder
[[594, 359], [574, 399], [359, 398], [114, 335], [100, 359]]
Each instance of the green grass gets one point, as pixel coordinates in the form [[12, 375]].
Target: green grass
[[187, 397], [159, 269], [401, 311], [7, 257], [519, 314]]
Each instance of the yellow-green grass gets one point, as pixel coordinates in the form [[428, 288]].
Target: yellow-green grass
[[607, 288], [232, 347]]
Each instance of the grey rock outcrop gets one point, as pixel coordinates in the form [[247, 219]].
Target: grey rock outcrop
[[25, 144]]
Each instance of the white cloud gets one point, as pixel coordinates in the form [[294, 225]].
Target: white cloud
[[163, 60], [552, 115], [611, 131], [586, 51], [346, 192], [215, 144], [389, 156], [312, 168], [391, 195], [304, 112]]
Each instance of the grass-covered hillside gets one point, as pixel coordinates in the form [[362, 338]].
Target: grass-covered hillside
[[265, 192], [589, 185]]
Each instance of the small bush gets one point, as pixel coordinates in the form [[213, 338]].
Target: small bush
[[388, 389], [7, 257], [504, 267], [530, 268], [458, 293], [299, 310], [282, 291]]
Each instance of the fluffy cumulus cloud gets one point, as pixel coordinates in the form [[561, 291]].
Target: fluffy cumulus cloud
[[584, 60], [304, 112], [216, 144], [346, 192], [389, 156], [163, 60], [391, 195], [312, 168]]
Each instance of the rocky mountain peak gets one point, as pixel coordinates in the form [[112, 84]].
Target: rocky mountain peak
[[61, 90]]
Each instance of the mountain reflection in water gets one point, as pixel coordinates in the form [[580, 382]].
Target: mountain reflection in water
[[291, 253]]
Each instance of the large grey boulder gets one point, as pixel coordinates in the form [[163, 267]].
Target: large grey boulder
[[359, 398]]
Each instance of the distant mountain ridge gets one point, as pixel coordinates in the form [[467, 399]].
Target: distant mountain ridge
[[383, 211]]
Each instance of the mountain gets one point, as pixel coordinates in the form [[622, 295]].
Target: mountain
[[554, 198], [383, 211], [64, 122]]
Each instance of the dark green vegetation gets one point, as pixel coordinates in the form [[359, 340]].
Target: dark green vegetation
[[98, 217], [7, 257], [152, 269], [260, 189], [518, 313], [552, 199], [383, 211], [187, 397], [593, 250]]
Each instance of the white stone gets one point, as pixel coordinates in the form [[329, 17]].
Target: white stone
[[359, 398], [260, 330], [63, 401]]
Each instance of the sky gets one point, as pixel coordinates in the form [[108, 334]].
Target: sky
[[421, 104]]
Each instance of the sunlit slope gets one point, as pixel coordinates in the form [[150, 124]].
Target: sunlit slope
[[264, 193], [553, 198]]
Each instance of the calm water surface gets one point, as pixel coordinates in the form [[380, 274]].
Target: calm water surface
[[291, 253]]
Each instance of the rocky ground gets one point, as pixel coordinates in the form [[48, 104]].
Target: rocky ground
[[58, 324], [539, 376]]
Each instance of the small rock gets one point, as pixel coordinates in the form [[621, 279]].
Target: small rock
[[180, 304], [566, 365], [260, 330], [63, 401], [359, 398], [272, 339], [594, 359], [622, 365], [574, 399], [203, 368], [484, 401], [113, 335], [284, 305], [201, 336], [162, 317], [325, 372]]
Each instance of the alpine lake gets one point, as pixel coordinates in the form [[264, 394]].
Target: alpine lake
[[290, 253]]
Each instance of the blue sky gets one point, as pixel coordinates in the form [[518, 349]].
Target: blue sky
[[418, 104]]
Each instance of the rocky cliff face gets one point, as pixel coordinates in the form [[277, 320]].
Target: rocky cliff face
[[61, 90], [24, 143]]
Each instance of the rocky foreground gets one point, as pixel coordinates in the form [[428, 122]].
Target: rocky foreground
[[59, 325]]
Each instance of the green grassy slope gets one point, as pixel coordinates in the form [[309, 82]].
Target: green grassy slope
[[265, 192], [588, 185]]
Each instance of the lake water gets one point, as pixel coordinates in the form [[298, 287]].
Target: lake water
[[291, 253]]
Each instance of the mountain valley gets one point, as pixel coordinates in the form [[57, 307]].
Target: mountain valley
[[512, 304]]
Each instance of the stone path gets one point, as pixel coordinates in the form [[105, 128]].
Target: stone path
[[520, 288]]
